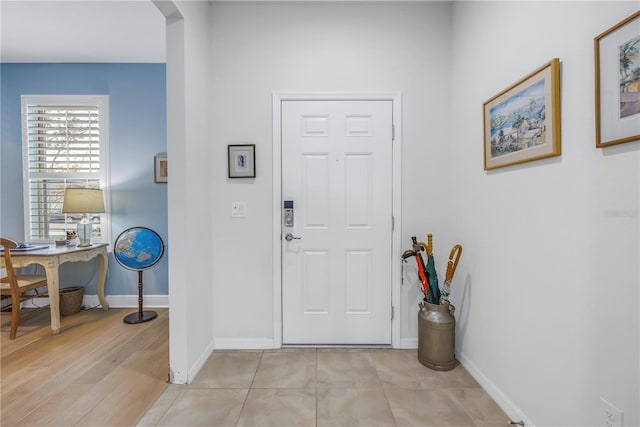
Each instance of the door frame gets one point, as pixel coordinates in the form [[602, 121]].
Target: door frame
[[396, 250]]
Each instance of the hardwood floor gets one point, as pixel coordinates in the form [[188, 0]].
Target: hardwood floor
[[98, 371]]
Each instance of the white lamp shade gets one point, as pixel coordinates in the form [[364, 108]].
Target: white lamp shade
[[83, 200]]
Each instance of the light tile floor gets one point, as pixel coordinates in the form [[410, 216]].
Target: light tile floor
[[324, 387]]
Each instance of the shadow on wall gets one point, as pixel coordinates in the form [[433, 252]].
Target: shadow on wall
[[463, 311]]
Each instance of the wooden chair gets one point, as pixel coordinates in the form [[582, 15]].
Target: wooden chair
[[17, 286]]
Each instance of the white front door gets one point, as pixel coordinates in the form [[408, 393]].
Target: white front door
[[336, 269]]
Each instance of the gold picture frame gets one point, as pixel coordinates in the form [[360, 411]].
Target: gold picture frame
[[522, 123], [617, 83]]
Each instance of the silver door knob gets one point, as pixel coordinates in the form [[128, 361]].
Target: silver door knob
[[289, 237]]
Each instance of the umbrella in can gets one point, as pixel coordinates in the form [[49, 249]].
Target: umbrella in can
[[432, 275], [451, 269], [422, 271]]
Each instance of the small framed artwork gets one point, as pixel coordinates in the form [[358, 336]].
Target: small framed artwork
[[160, 169], [242, 161], [617, 60], [522, 123]]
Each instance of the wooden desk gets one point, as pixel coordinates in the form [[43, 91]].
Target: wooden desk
[[51, 258]]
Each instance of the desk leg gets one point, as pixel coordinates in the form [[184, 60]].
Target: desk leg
[[102, 278], [53, 287]]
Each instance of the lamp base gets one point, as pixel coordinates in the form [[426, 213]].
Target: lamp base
[[85, 229]]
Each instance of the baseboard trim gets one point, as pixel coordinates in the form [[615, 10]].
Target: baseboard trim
[[129, 301], [408, 343], [244, 343], [115, 301], [513, 412], [199, 363], [268, 343]]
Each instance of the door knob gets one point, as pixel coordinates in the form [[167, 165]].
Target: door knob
[[289, 237]]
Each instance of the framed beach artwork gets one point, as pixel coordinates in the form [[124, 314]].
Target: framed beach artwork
[[617, 73], [522, 123], [242, 161]]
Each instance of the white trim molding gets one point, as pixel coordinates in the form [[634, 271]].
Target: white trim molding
[[509, 408], [115, 301], [126, 301], [197, 365], [243, 343], [409, 343]]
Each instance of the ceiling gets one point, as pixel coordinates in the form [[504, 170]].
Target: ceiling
[[90, 30], [81, 31]]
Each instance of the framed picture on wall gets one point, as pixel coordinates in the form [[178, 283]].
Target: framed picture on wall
[[160, 168], [241, 161], [617, 61], [522, 123]]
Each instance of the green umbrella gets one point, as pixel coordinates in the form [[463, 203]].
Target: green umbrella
[[432, 278], [433, 294]]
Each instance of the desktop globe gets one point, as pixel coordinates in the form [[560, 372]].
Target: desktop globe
[[139, 248]]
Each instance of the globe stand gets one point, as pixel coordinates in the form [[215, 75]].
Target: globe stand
[[137, 249], [140, 316]]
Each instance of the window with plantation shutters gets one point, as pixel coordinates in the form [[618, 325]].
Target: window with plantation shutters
[[64, 145]]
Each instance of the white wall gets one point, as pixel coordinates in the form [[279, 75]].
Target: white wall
[[261, 48], [190, 281], [547, 288]]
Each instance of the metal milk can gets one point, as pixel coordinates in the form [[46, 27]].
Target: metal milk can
[[436, 336]]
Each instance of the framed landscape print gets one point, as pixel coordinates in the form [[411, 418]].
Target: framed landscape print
[[617, 73], [522, 123]]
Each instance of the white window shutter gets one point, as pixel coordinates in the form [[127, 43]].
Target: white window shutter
[[63, 146]]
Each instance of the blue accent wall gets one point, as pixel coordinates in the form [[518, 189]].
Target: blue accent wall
[[138, 123]]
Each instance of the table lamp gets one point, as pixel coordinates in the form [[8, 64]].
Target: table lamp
[[84, 201]]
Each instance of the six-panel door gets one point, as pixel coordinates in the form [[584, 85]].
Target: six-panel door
[[337, 169]]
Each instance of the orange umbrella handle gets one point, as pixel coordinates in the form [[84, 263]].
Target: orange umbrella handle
[[457, 252], [449, 274]]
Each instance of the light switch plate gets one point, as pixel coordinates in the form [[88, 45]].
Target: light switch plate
[[611, 416], [238, 209]]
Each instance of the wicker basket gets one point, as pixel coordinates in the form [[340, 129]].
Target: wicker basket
[[71, 300]]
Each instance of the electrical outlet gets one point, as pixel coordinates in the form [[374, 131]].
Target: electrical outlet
[[611, 416]]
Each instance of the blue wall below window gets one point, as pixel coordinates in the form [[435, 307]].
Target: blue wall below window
[[138, 122]]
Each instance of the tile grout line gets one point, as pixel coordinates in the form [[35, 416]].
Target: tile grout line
[[464, 408], [244, 402], [169, 406], [375, 366]]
